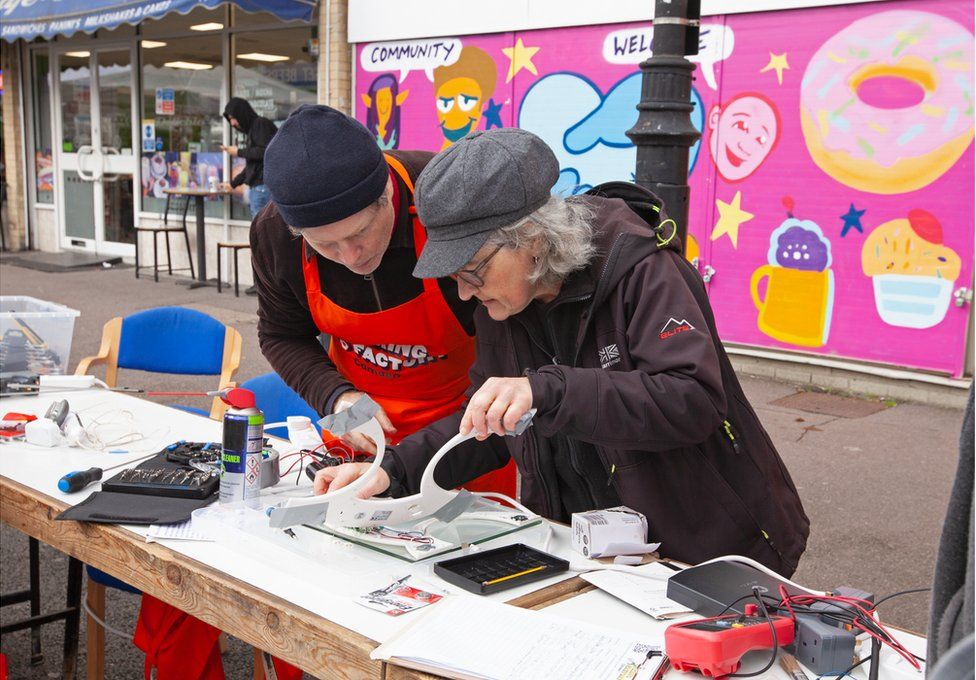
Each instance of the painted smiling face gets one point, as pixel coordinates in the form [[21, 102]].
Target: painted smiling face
[[459, 104], [460, 92], [742, 135]]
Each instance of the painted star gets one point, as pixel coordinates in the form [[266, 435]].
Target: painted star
[[493, 114], [852, 220], [731, 217], [777, 62], [521, 57]]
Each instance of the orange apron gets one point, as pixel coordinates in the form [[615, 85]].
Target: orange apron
[[412, 359]]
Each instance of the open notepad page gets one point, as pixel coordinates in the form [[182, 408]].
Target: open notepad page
[[469, 637]]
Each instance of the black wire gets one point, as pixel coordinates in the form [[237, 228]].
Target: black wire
[[845, 673], [903, 592], [772, 628], [744, 597]]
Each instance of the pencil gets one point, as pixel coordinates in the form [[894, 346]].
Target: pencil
[[511, 576]]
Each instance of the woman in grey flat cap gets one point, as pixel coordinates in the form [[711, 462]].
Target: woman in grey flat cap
[[591, 315]]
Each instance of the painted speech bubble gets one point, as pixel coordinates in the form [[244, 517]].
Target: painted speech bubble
[[409, 55], [633, 45]]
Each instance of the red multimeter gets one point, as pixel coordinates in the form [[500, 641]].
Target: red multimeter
[[714, 647]]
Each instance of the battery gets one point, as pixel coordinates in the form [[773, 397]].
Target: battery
[[240, 459]]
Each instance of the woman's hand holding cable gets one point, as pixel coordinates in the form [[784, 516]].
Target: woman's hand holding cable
[[496, 407]]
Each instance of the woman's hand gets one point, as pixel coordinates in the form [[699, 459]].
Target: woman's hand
[[497, 406], [357, 440], [334, 478]]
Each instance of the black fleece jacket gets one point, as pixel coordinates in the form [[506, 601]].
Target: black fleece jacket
[[634, 393], [258, 131]]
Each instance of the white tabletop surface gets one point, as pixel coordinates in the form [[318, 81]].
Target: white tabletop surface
[[319, 573], [314, 571]]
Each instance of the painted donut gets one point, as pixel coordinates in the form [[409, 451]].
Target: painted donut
[[886, 104]]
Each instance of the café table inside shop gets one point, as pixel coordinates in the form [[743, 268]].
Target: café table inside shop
[[198, 195], [297, 603]]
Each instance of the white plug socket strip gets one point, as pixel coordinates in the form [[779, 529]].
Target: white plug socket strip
[[66, 382]]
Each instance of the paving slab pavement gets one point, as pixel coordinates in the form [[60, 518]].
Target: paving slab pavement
[[875, 487]]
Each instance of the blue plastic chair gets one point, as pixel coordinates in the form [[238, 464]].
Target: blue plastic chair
[[172, 340], [277, 400]]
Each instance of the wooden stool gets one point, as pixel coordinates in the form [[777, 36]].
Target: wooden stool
[[237, 248]]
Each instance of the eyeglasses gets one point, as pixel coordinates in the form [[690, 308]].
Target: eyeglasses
[[472, 277]]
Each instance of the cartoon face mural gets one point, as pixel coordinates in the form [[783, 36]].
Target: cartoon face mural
[[911, 270], [886, 104], [460, 92], [383, 102], [742, 134], [799, 300]]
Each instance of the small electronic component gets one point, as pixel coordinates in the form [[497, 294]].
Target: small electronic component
[[175, 482], [499, 569], [183, 452], [58, 411]]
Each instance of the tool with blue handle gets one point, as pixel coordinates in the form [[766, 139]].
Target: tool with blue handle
[[79, 479]]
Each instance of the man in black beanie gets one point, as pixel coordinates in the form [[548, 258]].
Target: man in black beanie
[[334, 255]]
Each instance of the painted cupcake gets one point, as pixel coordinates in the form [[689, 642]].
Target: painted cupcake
[[912, 271]]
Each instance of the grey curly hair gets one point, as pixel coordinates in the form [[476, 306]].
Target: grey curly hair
[[565, 228]]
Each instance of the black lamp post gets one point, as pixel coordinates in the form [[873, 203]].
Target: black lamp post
[[664, 133]]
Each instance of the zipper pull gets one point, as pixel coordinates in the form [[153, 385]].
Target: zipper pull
[[731, 436], [613, 468]]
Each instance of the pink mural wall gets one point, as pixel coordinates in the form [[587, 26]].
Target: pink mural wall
[[831, 192]]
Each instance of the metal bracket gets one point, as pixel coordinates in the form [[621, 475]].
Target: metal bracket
[[963, 296], [679, 21]]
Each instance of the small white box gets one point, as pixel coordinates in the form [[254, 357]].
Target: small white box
[[594, 532]]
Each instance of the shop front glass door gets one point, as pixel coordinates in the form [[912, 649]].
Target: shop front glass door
[[96, 153]]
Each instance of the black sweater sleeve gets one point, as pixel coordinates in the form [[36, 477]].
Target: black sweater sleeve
[[287, 334]]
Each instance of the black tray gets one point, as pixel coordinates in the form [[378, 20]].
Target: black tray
[[499, 569]]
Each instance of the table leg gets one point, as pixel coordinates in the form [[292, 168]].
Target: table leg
[[201, 279], [34, 563], [72, 620]]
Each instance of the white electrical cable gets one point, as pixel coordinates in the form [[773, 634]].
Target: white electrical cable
[[105, 626], [766, 570]]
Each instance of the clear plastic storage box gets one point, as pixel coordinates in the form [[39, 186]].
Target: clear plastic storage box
[[35, 335]]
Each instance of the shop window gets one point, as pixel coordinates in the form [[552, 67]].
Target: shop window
[[75, 83], [43, 143], [274, 71], [181, 127]]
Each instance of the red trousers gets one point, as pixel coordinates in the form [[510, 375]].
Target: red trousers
[[182, 647]]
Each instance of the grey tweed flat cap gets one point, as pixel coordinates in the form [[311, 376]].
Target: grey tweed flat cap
[[485, 181]]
